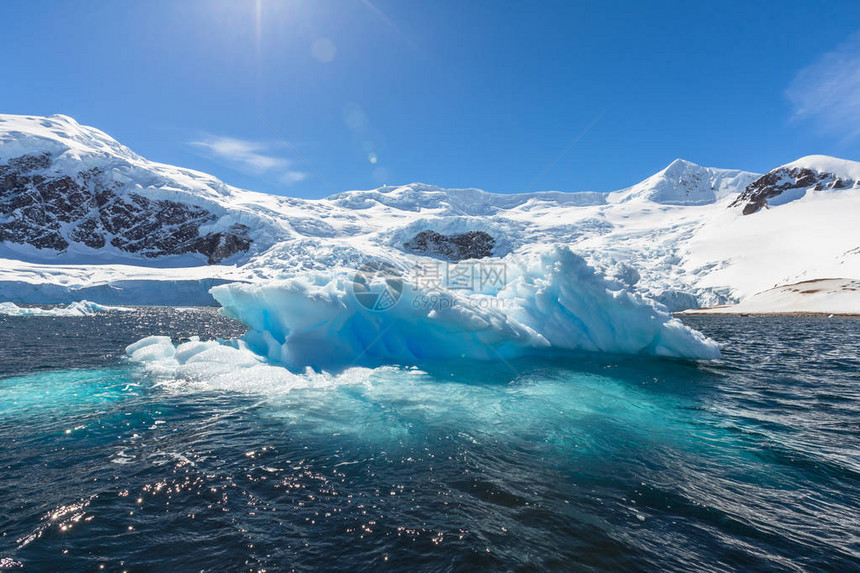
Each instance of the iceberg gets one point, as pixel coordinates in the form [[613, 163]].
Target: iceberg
[[79, 308], [552, 302]]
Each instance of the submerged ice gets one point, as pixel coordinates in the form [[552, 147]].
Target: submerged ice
[[552, 303], [227, 365]]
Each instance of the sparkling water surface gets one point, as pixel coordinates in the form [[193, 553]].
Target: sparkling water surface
[[607, 463]]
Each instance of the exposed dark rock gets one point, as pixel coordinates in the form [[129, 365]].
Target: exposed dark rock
[[50, 211], [778, 181], [30, 162], [471, 245], [88, 233], [219, 246]]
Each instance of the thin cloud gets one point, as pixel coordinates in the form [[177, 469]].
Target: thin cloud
[[291, 177], [254, 157], [828, 91]]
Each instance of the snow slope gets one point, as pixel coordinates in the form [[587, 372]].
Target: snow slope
[[820, 296], [806, 230]]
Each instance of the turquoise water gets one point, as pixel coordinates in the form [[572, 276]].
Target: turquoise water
[[592, 463]]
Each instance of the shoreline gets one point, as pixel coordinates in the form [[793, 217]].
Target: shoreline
[[787, 314]]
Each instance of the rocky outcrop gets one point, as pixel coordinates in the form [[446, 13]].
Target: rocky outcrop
[[471, 245], [51, 210], [782, 182]]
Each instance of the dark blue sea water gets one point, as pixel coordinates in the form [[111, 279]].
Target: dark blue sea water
[[751, 463]]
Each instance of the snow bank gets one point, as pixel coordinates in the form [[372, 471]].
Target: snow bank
[[80, 308], [822, 296], [553, 302]]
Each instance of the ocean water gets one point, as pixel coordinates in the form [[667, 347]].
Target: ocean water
[[750, 463]]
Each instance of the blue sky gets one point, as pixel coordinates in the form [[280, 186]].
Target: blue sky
[[481, 93]]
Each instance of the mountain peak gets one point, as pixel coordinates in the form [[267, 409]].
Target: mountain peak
[[58, 135], [681, 164], [683, 182], [64, 118]]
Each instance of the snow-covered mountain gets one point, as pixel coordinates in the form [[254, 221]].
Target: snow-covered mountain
[[82, 216], [72, 190], [685, 183], [794, 180]]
